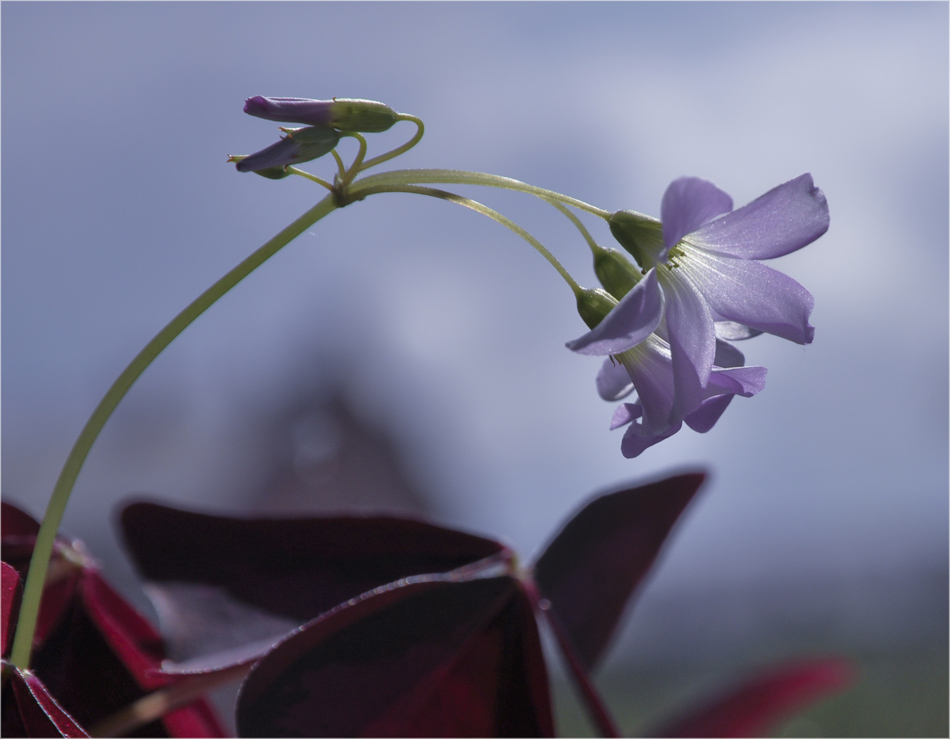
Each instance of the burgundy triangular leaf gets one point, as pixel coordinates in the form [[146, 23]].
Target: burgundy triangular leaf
[[65, 570], [93, 652], [756, 706], [16, 522], [11, 605], [229, 588], [103, 656], [429, 656], [591, 568], [29, 709]]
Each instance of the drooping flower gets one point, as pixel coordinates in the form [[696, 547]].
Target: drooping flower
[[706, 258], [702, 283], [654, 415]]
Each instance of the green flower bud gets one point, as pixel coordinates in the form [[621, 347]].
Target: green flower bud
[[638, 234], [615, 272], [299, 145], [343, 114], [594, 304], [366, 116]]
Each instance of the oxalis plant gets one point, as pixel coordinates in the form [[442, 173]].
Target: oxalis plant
[[394, 626]]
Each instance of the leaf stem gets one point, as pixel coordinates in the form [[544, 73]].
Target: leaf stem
[[596, 710], [39, 564], [599, 715]]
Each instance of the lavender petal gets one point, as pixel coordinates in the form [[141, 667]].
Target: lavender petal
[[752, 294], [786, 218], [630, 322], [688, 203]]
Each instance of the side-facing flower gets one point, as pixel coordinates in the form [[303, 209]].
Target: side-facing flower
[[648, 367], [702, 283], [706, 258], [640, 359]]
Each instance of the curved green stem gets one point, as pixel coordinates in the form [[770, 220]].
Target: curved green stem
[[339, 164], [357, 166], [311, 177], [594, 246], [463, 177], [486, 211], [420, 130], [39, 564]]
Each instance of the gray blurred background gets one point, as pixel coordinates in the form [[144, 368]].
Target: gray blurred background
[[410, 355]]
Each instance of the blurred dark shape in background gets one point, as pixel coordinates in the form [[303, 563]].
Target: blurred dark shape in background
[[323, 456]]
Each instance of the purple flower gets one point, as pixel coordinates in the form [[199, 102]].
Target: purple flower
[[343, 114], [299, 145], [702, 283], [656, 413]]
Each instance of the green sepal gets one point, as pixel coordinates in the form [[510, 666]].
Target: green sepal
[[615, 272], [640, 235], [313, 142], [593, 305], [365, 116], [273, 173]]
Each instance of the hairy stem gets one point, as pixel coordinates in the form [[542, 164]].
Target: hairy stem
[[486, 211], [462, 177]]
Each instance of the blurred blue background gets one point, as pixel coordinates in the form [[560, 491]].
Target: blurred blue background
[[826, 516]]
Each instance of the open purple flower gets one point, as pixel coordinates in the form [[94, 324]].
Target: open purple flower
[[705, 256], [702, 281]]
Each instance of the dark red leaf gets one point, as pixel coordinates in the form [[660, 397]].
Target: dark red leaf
[[30, 710], [18, 538], [15, 522], [93, 651], [238, 584], [11, 604], [759, 704], [428, 656], [104, 656], [591, 568]]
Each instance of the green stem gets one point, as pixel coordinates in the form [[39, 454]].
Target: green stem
[[39, 564], [486, 211], [463, 177], [347, 177], [420, 130], [398, 181], [594, 247], [311, 177]]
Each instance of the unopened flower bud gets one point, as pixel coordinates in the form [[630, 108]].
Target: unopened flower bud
[[594, 304], [300, 145], [366, 116], [639, 235], [615, 272], [343, 114]]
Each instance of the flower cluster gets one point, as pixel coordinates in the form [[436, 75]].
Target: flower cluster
[[665, 328], [325, 121]]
